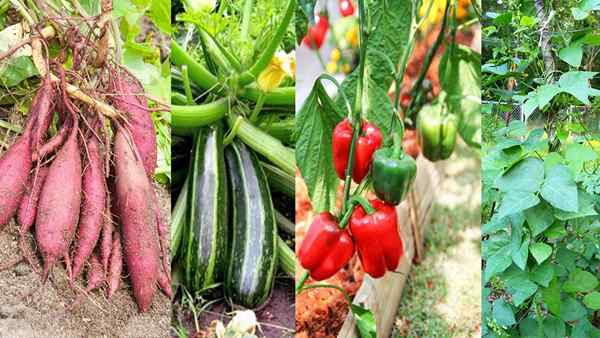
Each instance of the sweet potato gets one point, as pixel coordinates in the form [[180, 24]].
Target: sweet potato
[[138, 221], [95, 276], [43, 105], [130, 100], [49, 147], [116, 266], [92, 209], [165, 284], [15, 165], [106, 236], [59, 205], [28, 205]]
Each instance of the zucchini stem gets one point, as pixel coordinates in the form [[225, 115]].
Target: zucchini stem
[[251, 74]]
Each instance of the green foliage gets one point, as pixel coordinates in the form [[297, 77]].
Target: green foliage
[[541, 245], [318, 116]]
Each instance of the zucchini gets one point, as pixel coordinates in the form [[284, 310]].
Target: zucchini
[[287, 257], [207, 235], [251, 269], [279, 180], [178, 220]]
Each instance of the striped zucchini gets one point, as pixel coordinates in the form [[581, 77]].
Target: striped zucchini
[[207, 235], [253, 255]]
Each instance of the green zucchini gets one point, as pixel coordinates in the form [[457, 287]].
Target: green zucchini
[[251, 269], [287, 257], [279, 180], [207, 235]]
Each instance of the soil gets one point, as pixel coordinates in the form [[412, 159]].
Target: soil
[[31, 309], [275, 318]]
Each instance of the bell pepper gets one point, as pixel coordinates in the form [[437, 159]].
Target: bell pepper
[[326, 248], [436, 132], [346, 7], [369, 140], [316, 34], [375, 231], [393, 173]]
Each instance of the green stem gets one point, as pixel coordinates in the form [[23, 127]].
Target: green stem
[[232, 132], [282, 130], [198, 74], [221, 52], [301, 281], [198, 115], [416, 89], [266, 145], [178, 98], [178, 219], [339, 288], [339, 90], [357, 118], [186, 85], [251, 74], [257, 108], [283, 96], [246, 15], [397, 147]]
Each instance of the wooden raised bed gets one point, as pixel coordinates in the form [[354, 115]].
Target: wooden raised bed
[[382, 296]]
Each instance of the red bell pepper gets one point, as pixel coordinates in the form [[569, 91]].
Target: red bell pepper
[[377, 239], [316, 34], [346, 7], [326, 248], [369, 140]]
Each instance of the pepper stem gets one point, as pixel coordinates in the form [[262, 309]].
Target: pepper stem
[[397, 147], [364, 203], [301, 282]]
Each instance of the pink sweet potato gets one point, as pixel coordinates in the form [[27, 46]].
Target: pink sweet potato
[[52, 145], [129, 99], [95, 276], [116, 266], [92, 209], [59, 205], [28, 205], [138, 221], [43, 106], [106, 237], [15, 165], [165, 284]]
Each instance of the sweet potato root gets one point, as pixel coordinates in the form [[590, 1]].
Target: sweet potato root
[[28, 205], [130, 101], [138, 221], [92, 209], [59, 205]]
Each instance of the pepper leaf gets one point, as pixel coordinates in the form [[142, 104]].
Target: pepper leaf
[[365, 321], [314, 125], [390, 38]]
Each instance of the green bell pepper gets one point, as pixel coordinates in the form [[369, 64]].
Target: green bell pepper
[[436, 132], [393, 172]]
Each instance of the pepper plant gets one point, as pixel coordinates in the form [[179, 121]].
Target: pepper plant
[[357, 137]]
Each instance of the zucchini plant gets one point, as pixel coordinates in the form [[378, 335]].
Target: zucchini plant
[[233, 111]]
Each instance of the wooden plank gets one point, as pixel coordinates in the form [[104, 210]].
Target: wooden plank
[[383, 295]]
